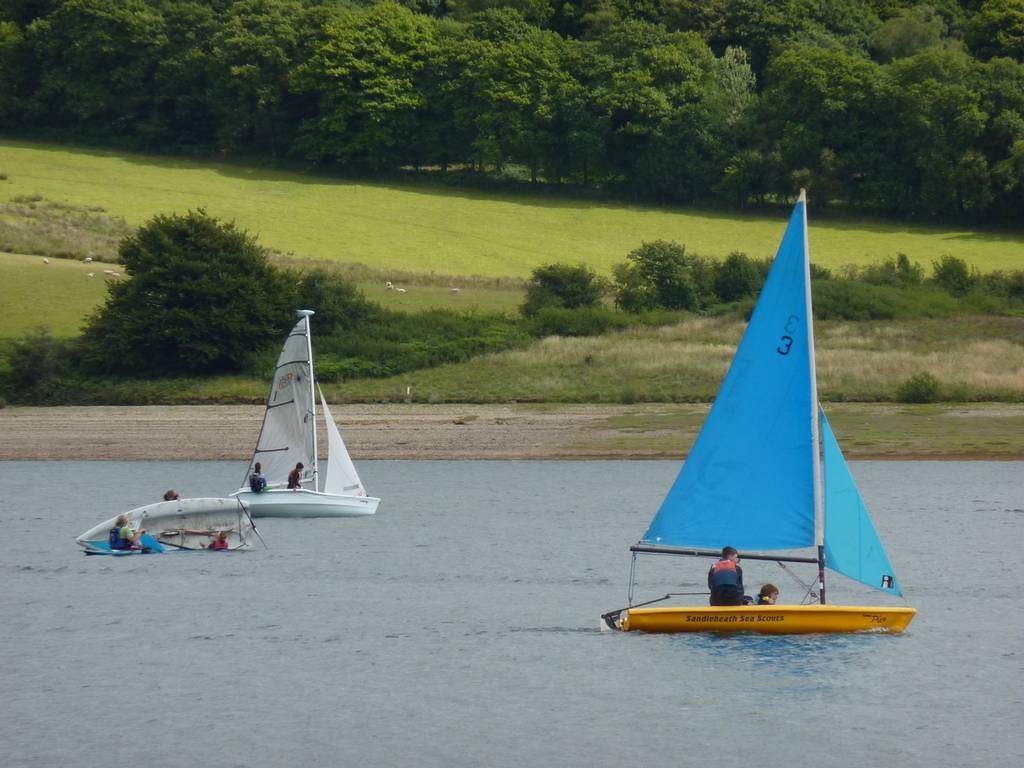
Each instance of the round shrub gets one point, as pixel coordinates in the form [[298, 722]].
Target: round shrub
[[922, 388]]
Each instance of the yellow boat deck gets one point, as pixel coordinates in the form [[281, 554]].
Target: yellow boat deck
[[769, 619]]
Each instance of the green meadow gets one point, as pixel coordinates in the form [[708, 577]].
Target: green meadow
[[424, 228], [58, 295]]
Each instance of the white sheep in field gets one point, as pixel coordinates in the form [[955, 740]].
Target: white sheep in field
[[108, 271], [88, 259], [90, 274], [46, 261], [115, 274], [389, 286], [456, 290], [400, 290]]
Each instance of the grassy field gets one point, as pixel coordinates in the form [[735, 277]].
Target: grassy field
[[58, 295], [440, 230], [973, 359]]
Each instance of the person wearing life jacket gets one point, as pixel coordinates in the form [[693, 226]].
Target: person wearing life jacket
[[725, 579], [221, 542], [123, 536], [768, 595], [257, 480]]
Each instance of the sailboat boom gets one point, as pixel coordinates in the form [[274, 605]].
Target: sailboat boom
[[653, 549]]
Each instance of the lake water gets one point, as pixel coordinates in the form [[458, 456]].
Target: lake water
[[459, 627]]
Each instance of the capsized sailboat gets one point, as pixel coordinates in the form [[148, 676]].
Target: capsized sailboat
[[178, 525], [289, 437], [766, 473]]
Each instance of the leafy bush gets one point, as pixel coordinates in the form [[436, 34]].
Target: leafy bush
[[953, 275], [663, 274], [922, 388], [851, 300], [37, 365], [558, 321], [384, 343], [199, 298], [562, 285], [899, 272], [737, 277], [338, 304]]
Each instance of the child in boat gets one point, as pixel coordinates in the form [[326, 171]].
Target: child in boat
[[172, 495], [123, 536], [220, 542], [768, 595], [295, 477]]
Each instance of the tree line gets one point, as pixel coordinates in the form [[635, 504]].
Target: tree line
[[881, 106]]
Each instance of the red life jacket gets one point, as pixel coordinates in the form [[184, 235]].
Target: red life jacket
[[727, 565], [218, 544]]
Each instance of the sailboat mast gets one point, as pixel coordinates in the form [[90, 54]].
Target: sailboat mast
[[312, 397], [819, 500]]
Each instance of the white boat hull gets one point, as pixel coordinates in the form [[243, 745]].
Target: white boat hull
[[278, 502], [181, 524]]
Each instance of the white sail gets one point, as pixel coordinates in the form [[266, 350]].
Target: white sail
[[287, 436], [342, 478]]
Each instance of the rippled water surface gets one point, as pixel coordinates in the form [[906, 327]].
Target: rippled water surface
[[459, 627]]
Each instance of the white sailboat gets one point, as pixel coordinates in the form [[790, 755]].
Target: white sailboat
[[289, 437], [181, 524]]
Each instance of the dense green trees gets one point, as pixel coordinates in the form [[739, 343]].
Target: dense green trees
[[897, 107], [199, 297]]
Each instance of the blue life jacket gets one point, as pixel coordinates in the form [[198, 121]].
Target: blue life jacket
[[257, 482], [115, 539]]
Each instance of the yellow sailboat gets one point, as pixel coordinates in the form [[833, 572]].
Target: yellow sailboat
[[767, 474]]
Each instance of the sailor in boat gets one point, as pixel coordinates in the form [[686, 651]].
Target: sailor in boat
[[295, 476], [768, 595], [257, 480], [172, 495], [725, 579], [220, 542], [123, 536]]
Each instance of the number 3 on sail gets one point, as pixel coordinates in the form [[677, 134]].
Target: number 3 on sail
[[786, 485]]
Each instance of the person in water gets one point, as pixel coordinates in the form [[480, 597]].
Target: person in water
[[257, 480], [220, 542], [123, 536], [172, 495], [768, 595], [295, 476], [725, 579]]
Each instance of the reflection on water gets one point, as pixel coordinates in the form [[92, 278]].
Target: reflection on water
[[460, 627]]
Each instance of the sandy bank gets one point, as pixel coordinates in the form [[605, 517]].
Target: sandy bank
[[491, 431]]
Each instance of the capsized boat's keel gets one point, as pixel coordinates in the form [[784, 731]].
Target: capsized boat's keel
[[770, 620]]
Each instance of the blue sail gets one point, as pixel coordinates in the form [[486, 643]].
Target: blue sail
[[748, 482], [852, 546]]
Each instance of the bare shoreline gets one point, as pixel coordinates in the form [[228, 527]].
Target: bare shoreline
[[462, 431]]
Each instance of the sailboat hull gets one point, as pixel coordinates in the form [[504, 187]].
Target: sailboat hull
[[769, 620], [306, 503], [182, 524]]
